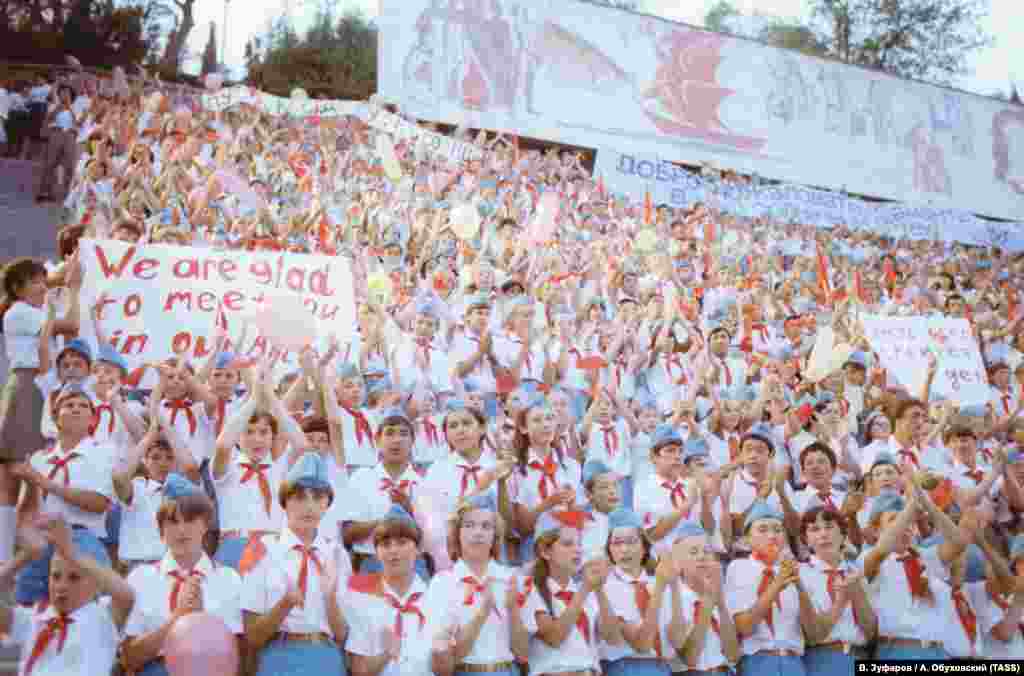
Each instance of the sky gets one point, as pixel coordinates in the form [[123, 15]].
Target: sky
[[992, 68]]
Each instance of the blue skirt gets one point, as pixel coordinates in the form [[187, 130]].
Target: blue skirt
[[827, 662], [296, 658], [772, 665], [637, 666], [154, 668], [903, 653]]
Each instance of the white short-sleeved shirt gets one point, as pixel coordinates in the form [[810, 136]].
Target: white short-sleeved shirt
[[438, 375], [193, 426], [357, 438], [90, 646], [371, 496], [87, 468], [267, 583], [711, 655], [430, 445], [622, 597], [446, 477], [612, 444], [900, 615], [465, 346], [741, 584], [814, 576], [808, 497], [241, 506], [140, 536], [528, 489], [453, 601], [154, 586], [22, 325], [371, 614], [575, 653]]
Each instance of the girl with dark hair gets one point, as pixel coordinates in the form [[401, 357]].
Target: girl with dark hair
[[543, 481]]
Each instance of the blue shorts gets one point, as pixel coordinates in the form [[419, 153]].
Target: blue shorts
[[298, 658]]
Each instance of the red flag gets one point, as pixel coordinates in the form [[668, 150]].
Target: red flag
[[858, 287], [600, 187], [890, 272], [648, 208], [823, 281], [323, 233]]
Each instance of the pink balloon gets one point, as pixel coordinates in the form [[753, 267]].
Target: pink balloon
[[200, 644], [285, 321]]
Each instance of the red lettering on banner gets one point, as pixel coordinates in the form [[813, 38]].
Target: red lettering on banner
[[146, 268], [186, 268], [233, 300], [325, 315], [134, 344], [183, 342], [206, 301], [318, 282], [228, 268], [262, 272], [132, 305], [116, 269], [105, 302], [178, 297], [295, 279]]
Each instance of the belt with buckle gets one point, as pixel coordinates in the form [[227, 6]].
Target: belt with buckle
[[781, 652], [240, 533], [907, 642], [313, 637], [485, 668], [837, 646]]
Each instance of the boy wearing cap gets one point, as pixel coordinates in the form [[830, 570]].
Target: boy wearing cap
[[73, 484], [972, 482], [668, 499], [607, 433], [72, 366], [755, 479], [601, 486], [356, 430], [184, 580], [420, 358], [770, 607], [474, 350], [388, 614], [76, 630], [118, 422], [908, 583], [391, 481], [290, 604]]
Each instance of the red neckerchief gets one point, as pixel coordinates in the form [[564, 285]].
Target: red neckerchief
[[642, 596], [834, 575], [611, 440], [98, 418], [179, 405], [975, 474], [430, 429], [582, 621], [62, 464], [258, 470], [55, 627], [179, 582], [676, 493], [826, 499], [361, 424], [968, 619], [767, 577], [402, 486], [474, 587], [467, 472], [409, 608], [916, 580], [547, 470], [308, 554]]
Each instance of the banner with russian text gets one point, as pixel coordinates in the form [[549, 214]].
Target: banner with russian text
[[155, 301], [598, 77]]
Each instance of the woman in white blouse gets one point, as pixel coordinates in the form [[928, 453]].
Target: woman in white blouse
[[478, 597]]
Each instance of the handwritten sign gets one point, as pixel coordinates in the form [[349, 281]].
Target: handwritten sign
[[161, 300], [280, 106], [904, 343], [438, 144]]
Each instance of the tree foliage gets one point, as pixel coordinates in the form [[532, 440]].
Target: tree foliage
[[928, 40], [335, 59], [96, 32]]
